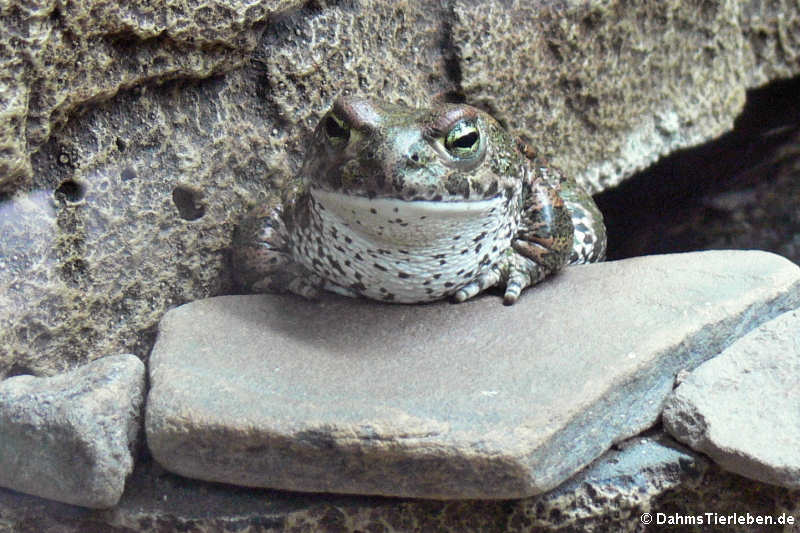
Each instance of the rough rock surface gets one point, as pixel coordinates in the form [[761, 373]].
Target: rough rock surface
[[723, 495], [308, 58], [356, 397], [70, 438], [608, 496], [677, 70], [613, 492], [55, 56], [150, 185], [605, 88], [145, 226], [742, 408]]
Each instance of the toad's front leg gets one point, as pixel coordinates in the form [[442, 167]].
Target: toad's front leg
[[262, 261], [541, 247]]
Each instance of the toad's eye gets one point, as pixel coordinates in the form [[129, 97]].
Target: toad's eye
[[464, 139], [336, 129]]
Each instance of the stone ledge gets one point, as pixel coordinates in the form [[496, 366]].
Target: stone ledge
[[445, 401]]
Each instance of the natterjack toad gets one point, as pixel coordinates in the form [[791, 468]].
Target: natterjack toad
[[412, 205]]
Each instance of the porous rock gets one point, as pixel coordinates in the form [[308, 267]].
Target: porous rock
[[474, 400], [612, 493], [636, 80], [606, 88], [742, 408], [71, 437], [725, 502], [56, 56], [133, 204], [312, 56], [141, 224]]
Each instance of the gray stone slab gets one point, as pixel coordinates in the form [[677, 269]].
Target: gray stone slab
[[474, 400], [69, 437], [742, 408]]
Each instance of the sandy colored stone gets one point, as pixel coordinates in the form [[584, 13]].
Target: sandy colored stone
[[150, 185], [475, 400], [313, 56], [71, 437], [742, 408], [606, 88], [144, 224], [57, 56]]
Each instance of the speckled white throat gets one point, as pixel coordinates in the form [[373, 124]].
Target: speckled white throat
[[403, 251]]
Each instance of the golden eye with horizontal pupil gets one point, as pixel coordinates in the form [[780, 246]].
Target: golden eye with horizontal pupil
[[337, 130], [464, 139]]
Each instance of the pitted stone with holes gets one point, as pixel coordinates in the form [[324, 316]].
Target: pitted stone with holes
[[413, 205]]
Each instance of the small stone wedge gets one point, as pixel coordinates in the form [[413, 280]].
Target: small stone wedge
[[69, 437], [742, 408], [445, 401]]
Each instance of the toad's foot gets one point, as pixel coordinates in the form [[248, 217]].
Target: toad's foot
[[516, 273]]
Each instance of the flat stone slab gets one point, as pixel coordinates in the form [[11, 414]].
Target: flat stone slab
[[69, 437], [474, 400], [742, 408], [609, 495]]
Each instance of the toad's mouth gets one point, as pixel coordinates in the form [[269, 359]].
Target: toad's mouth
[[447, 205], [410, 221]]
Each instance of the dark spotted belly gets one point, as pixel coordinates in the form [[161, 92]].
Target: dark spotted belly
[[402, 251]]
